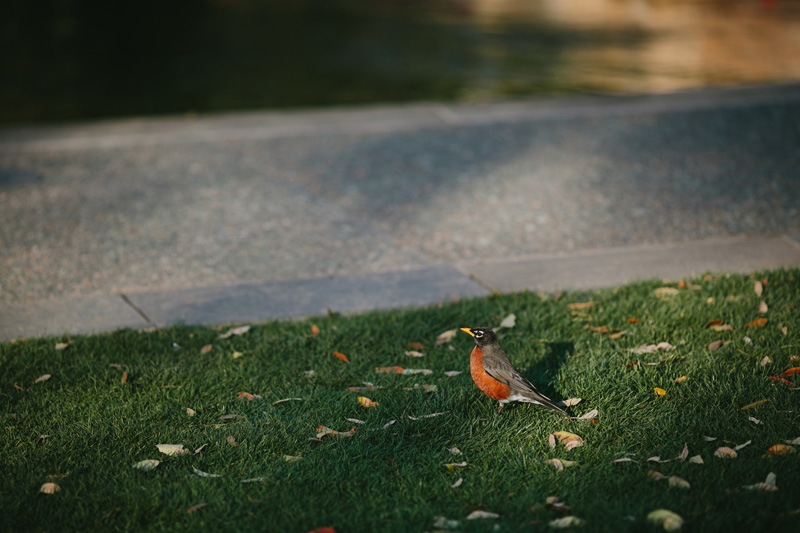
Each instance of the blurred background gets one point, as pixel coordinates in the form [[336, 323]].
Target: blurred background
[[87, 59]]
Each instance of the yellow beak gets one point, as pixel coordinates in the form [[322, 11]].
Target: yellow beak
[[467, 331]]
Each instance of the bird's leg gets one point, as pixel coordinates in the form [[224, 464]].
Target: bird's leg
[[500, 408]]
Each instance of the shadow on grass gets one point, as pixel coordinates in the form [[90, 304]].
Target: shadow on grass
[[543, 372]]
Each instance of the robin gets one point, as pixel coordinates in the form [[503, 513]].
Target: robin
[[494, 375]]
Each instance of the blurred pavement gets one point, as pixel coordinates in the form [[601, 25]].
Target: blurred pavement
[[253, 216]]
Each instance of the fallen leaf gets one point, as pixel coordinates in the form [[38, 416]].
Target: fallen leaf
[[791, 371], [411, 371], [623, 460], [388, 424], [569, 440], [61, 346], [205, 349], [412, 353], [340, 355], [42, 378], [229, 417], [751, 405], [755, 420], [474, 515], [724, 451], [356, 421], [617, 335], [747, 340], [441, 522], [246, 396], [241, 330], [426, 416], [323, 431], [453, 466], [654, 459], [292, 458], [758, 288], [784, 330], [171, 449], [565, 522], [323, 530], [190, 411], [696, 459], [710, 439], [651, 348], [717, 344], [230, 439], [684, 453], [679, 482], [200, 449], [389, 369], [762, 307], [680, 379], [366, 402], [452, 373], [147, 464], [781, 380], [665, 518], [254, 480], [656, 476], [49, 488], [310, 373], [446, 337], [41, 438], [722, 327], [765, 361], [781, 449], [314, 329], [659, 391], [124, 378], [796, 441], [237, 355], [588, 415], [454, 451], [194, 508], [634, 320], [283, 400], [204, 474], [581, 305], [458, 483], [766, 485], [509, 321], [714, 323], [757, 323], [662, 292], [569, 402]]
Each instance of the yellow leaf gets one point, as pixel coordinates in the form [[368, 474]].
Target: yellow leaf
[[781, 449], [453, 466], [680, 379], [757, 323], [667, 519], [659, 391], [366, 402]]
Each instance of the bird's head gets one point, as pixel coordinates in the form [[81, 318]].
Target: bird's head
[[482, 336]]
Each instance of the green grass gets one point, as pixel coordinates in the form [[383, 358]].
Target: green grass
[[394, 479]]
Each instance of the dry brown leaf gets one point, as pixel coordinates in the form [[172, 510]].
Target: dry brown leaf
[[453, 466], [679, 482], [42, 378], [205, 349], [617, 335], [124, 379], [581, 305], [634, 320], [190, 411], [323, 431], [230, 439], [680, 379], [246, 396], [791, 371], [481, 514], [569, 402], [49, 488], [204, 474], [446, 337], [61, 346], [684, 453], [765, 361], [194, 508], [452, 373], [509, 321], [758, 288], [171, 449], [200, 449], [416, 345], [413, 353], [389, 369], [766, 485], [757, 323], [241, 330], [725, 452], [566, 522], [656, 476], [722, 327], [696, 459], [341, 356], [662, 292], [781, 449], [147, 464], [623, 460], [314, 329], [762, 307], [366, 402], [458, 483], [412, 371], [229, 417], [717, 344], [569, 440]]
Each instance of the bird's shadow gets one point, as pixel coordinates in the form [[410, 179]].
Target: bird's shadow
[[543, 372]]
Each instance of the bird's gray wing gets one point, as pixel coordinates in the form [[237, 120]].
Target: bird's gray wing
[[500, 368]]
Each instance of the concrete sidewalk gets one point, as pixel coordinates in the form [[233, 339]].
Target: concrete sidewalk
[[247, 217]]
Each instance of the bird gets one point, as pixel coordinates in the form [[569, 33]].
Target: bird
[[496, 377]]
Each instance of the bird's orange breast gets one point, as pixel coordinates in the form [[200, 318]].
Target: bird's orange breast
[[486, 383]]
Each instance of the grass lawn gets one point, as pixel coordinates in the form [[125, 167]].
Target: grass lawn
[[390, 474]]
